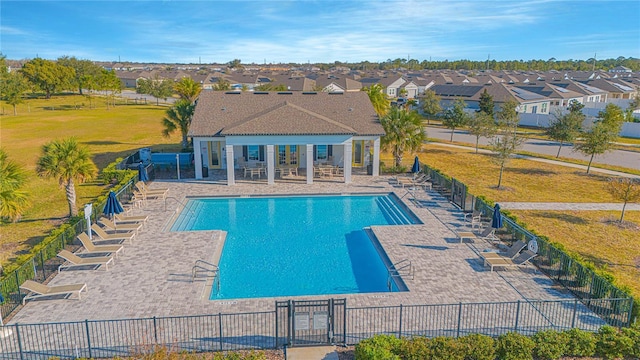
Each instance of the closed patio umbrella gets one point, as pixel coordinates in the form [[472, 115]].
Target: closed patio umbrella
[[142, 172], [416, 166], [112, 206], [496, 220]]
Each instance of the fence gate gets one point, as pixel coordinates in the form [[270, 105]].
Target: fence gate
[[310, 322]]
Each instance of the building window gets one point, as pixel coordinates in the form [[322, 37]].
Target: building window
[[253, 152], [544, 108], [524, 108], [321, 152]]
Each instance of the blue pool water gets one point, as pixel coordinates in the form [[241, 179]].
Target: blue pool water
[[288, 246]]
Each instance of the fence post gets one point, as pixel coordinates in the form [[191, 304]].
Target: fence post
[[155, 330], [630, 310], [18, 286], [459, 318], [276, 321], [86, 326], [575, 313], [400, 330], [517, 316], [19, 342], [44, 272], [220, 329]]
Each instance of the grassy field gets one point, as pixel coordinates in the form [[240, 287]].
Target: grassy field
[[109, 134], [585, 233]]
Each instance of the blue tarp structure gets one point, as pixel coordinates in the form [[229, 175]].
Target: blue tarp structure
[[142, 173], [112, 206], [416, 166], [496, 220]]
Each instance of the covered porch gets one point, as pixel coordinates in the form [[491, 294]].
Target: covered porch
[[298, 158]]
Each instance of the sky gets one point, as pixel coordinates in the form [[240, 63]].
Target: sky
[[319, 31]]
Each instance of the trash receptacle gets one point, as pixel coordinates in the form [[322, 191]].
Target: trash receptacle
[[369, 169], [205, 171]]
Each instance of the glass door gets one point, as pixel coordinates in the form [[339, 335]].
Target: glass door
[[214, 152], [358, 153]]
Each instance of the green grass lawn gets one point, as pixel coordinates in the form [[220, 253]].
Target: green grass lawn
[[109, 134], [582, 232]]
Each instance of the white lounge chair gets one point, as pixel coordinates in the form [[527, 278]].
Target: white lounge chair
[[38, 290], [135, 227], [73, 260], [521, 260], [117, 236], [90, 247]]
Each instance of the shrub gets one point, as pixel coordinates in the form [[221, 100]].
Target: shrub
[[580, 343], [416, 348], [478, 347], [612, 344], [550, 344], [633, 333], [514, 346], [446, 348], [378, 347]]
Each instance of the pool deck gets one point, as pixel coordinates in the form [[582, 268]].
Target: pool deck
[[153, 275]]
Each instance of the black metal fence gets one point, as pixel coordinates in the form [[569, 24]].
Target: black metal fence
[[273, 329], [583, 282], [43, 264]]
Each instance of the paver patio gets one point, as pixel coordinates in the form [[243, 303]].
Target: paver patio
[[153, 276]]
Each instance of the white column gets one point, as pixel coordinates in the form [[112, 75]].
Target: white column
[[348, 156], [197, 154], [231, 174], [376, 157], [309, 163], [271, 170]]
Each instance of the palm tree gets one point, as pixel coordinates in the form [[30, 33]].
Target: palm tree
[[378, 99], [13, 201], [187, 89], [68, 162], [179, 117], [404, 132]]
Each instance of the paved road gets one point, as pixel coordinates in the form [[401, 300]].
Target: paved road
[[566, 206], [628, 159]]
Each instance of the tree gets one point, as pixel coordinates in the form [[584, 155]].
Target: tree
[[486, 103], [626, 190], [455, 116], [235, 64], [85, 71], [13, 87], [566, 127], [404, 132], [271, 87], [602, 134], [156, 87], [108, 82], [48, 75], [634, 104], [13, 201], [68, 162], [378, 99], [178, 117], [222, 85], [431, 104], [503, 146], [481, 125], [187, 89]]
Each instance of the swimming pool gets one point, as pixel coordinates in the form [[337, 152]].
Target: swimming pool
[[290, 246]]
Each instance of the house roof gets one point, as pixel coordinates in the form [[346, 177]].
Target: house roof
[[220, 113]]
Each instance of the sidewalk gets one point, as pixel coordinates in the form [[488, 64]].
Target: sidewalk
[[566, 206]]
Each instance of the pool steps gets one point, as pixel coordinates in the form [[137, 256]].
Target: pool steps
[[392, 212]]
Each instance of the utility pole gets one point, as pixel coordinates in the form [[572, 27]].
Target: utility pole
[[594, 62]]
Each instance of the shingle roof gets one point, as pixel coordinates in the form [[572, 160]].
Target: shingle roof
[[220, 113]]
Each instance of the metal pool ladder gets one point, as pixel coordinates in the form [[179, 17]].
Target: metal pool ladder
[[202, 269], [398, 270]]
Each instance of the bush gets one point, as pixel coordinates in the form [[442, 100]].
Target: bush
[[514, 346], [633, 333], [612, 344], [478, 347], [378, 347], [550, 344], [580, 343], [446, 348], [416, 348]]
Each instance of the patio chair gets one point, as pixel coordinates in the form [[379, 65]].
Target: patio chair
[[511, 252], [38, 290], [73, 260], [474, 219], [90, 247], [148, 189], [132, 219], [104, 235], [521, 260], [151, 194], [119, 227], [489, 234]]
